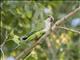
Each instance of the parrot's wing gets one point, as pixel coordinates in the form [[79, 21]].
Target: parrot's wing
[[27, 35], [36, 35]]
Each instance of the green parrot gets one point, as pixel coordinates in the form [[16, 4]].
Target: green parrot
[[37, 35], [33, 36]]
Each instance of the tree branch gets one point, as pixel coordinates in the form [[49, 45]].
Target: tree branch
[[26, 51], [62, 20], [70, 29]]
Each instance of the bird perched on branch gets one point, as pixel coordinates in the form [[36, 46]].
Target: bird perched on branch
[[37, 35]]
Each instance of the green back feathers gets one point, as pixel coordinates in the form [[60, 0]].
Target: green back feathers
[[33, 35], [36, 35]]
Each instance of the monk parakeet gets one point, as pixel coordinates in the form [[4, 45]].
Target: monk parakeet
[[37, 35]]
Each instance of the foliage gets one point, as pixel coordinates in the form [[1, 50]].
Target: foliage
[[21, 17]]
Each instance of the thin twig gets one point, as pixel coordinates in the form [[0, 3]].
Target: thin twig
[[51, 51], [70, 29], [6, 34], [2, 45], [2, 53]]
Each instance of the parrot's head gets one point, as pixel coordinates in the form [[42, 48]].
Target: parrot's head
[[48, 23]]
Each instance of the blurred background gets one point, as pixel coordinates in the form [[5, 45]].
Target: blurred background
[[21, 17]]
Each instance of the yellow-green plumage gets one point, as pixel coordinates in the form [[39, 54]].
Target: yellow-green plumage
[[36, 35]]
